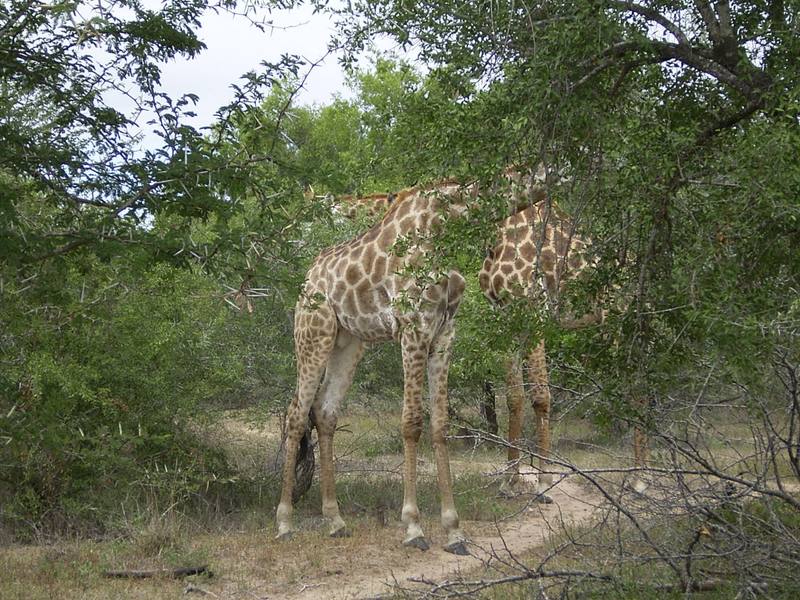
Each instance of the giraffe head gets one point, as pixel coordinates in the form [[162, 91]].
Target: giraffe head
[[529, 185]]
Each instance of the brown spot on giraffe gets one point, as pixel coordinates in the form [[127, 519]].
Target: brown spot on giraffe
[[378, 272], [368, 259], [498, 282], [387, 238], [547, 260], [527, 252], [371, 235], [355, 254], [365, 296], [353, 273]]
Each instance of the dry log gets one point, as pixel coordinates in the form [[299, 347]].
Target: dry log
[[169, 573]]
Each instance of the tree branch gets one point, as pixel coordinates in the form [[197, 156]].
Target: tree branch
[[654, 16], [712, 26], [691, 58]]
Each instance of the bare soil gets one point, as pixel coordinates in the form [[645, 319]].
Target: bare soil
[[248, 563], [373, 563]]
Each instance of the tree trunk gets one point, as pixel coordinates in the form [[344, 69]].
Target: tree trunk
[[488, 410]]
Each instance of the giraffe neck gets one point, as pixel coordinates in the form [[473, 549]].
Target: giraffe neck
[[371, 205]]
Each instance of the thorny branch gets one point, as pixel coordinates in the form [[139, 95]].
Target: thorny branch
[[712, 523]]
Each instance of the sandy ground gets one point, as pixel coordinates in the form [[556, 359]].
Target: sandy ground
[[376, 568]]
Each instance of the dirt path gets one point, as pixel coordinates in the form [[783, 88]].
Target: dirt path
[[371, 569]]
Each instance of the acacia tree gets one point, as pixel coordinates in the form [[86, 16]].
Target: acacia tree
[[111, 325], [675, 126], [665, 116]]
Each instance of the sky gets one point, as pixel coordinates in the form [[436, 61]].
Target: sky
[[235, 46]]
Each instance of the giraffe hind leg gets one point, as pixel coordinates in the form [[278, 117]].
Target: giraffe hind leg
[[438, 364], [641, 455], [515, 400], [540, 395], [315, 333], [338, 376]]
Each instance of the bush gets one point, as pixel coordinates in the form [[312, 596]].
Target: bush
[[100, 388]]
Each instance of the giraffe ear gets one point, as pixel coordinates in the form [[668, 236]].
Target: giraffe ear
[[390, 197]]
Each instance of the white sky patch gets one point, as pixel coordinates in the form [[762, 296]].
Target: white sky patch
[[235, 46]]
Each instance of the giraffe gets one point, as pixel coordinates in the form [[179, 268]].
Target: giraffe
[[536, 254], [350, 205], [537, 245], [537, 239], [361, 291]]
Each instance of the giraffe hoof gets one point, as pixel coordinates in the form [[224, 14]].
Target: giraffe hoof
[[284, 536], [543, 499], [459, 548], [342, 532], [418, 542]]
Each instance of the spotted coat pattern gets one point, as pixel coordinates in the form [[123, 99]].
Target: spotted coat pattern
[[371, 205]]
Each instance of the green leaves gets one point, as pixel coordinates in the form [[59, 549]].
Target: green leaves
[[113, 330], [107, 378]]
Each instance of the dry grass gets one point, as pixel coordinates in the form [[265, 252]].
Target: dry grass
[[245, 562], [239, 546]]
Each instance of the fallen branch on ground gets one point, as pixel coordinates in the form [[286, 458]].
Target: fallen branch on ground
[[170, 573]]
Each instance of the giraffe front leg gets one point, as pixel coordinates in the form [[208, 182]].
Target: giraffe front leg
[[515, 400], [414, 355], [540, 392], [438, 365]]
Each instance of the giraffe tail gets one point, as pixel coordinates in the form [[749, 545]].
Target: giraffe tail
[[304, 467]]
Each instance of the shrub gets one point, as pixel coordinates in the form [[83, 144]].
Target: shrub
[[100, 387]]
